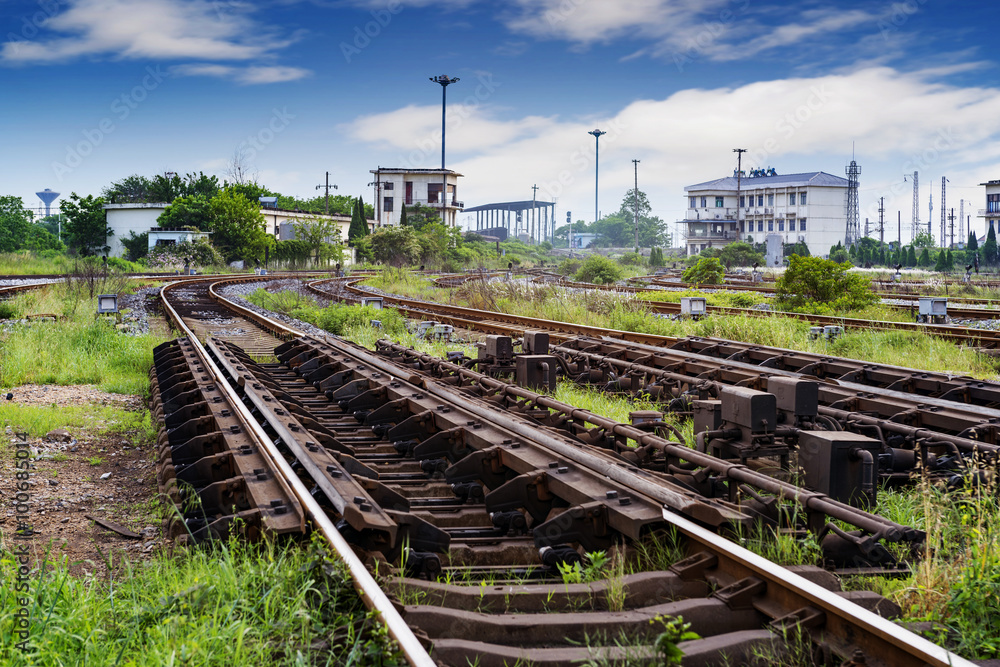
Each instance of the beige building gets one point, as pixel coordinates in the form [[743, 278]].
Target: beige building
[[409, 187]]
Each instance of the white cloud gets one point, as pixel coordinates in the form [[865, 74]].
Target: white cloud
[[898, 122], [151, 29], [244, 75]]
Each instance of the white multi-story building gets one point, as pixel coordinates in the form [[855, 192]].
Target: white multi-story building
[[409, 187], [809, 208], [992, 210]]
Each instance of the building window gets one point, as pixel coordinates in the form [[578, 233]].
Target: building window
[[718, 202], [760, 225], [770, 225], [760, 200], [694, 202], [802, 223], [781, 225], [704, 202], [802, 198], [409, 192], [743, 201], [387, 204], [770, 200], [791, 199], [387, 185], [433, 193], [992, 203], [741, 226]]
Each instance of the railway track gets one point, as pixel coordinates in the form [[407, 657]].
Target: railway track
[[472, 492]]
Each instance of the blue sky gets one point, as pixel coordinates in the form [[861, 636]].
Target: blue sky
[[96, 90]]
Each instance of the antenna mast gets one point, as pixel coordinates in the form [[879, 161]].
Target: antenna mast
[[853, 216]]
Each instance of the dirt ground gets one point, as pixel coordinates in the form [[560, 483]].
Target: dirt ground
[[66, 485]]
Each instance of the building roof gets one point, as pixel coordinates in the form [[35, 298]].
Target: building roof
[[814, 178], [405, 170], [525, 205], [136, 205]]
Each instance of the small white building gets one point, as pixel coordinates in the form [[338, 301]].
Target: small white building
[[809, 208], [126, 218], [399, 187], [168, 236], [281, 223]]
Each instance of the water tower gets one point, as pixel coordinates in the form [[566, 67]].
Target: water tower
[[47, 197]]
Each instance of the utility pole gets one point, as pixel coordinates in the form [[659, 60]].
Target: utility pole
[[534, 195], [739, 178], [635, 199], [951, 227], [597, 155], [327, 186]]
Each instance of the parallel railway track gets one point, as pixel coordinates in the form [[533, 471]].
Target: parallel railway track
[[460, 474]]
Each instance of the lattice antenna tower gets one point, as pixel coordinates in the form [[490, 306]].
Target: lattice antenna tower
[[943, 211], [930, 211], [915, 225], [853, 215]]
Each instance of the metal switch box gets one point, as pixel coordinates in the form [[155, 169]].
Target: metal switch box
[[536, 371], [841, 464], [749, 408], [797, 396]]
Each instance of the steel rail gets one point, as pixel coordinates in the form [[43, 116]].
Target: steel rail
[[870, 631], [371, 594]]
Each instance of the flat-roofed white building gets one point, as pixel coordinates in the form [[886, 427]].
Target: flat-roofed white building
[[123, 219], [409, 187], [808, 208]]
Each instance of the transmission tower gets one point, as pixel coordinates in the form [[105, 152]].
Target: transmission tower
[[915, 225], [943, 211], [853, 216], [962, 236]]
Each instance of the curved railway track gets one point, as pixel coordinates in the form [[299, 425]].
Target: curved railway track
[[472, 490]]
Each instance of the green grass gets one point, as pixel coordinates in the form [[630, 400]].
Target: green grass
[[25, 263], [231, 604], [410, 285], [37, 420], [77, 352]]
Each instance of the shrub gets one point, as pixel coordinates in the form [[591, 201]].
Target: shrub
[[631, 259], [569, 266], [740, 253], [337, 319], [706, 271], [812, 279], [200, 253], [599, 270]]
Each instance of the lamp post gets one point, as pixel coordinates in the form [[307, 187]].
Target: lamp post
[[597, 154], [635, 202], [445, 81]]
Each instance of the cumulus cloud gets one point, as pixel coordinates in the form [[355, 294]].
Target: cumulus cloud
[[244, 75], [899, 122], [155, 29]]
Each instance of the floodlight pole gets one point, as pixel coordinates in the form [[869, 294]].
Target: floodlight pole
[[445, 81], [597, 156], [635, 200]]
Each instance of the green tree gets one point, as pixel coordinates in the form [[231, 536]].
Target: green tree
[[402, 216], [136, 246], [655, 257], [812, 280], [322, 235], [971, 248], [652, 230], [86, 230], [394, 246], [707, 271], [359, 226], [911, 257], [15, 223], [941, 261], [990, 247], [950, 261], [924, 240], [925, 258], [599, 270], [739, 253], [189, 211], [40, 239], [238, 227], [799, 248], [841, 256]]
